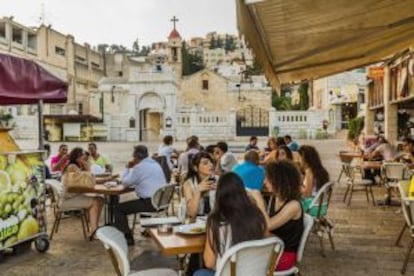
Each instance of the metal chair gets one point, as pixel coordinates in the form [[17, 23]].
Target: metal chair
[[407, 205], [160, 201], [116, 246], [345, 160], [250, 258], [308, 224], [318, 210], [366, 184], [60, 210]]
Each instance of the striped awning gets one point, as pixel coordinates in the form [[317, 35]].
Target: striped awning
[[307, 39]]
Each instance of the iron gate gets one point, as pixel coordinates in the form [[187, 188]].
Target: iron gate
[[252, 121]]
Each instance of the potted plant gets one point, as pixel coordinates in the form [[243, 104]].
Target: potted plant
[[5, 119]]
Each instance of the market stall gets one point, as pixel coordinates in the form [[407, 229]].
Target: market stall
[[22, 185]]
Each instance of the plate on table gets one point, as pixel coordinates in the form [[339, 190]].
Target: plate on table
[[191, 229], [110, 184]]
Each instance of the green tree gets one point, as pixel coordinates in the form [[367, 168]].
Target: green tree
[[255, 69], [192, 62], [219, 43], [229, 44], [281, 102], [102, 48], [135, 46], [213, 43], [303, 96]]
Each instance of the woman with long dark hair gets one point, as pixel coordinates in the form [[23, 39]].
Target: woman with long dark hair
[[315, 174], [235, 218], [198, 183], [78, 163], [285, 218]]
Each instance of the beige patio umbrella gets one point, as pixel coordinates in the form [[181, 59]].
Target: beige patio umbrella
[[308, 39]]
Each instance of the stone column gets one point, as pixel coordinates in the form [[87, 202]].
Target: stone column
[[390, 111], [272, 121], [232, 123], [369, 114]]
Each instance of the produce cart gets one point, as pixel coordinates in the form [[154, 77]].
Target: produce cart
[[22, 173], [22, 200]]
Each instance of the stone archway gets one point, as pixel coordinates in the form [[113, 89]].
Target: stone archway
[[151, 116]]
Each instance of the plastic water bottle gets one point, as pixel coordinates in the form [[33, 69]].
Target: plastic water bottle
[[212, 198], [182, 210]]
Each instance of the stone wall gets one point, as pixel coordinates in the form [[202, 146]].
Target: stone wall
[[206, 125], [298, 124], [27, 127]]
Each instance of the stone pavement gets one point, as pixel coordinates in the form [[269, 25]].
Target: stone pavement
[[364, 235]]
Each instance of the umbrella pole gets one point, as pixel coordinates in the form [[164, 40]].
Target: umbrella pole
[[40, 118]]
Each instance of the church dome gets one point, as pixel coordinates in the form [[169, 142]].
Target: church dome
[[174, 34]]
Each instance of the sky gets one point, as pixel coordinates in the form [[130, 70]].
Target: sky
[[123, 21]]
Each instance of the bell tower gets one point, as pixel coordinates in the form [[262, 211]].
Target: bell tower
[[174, 50]]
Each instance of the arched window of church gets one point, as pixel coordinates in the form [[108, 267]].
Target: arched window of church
[[132, 122], [174, 54]]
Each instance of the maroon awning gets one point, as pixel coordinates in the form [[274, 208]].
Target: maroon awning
[[23, 81]]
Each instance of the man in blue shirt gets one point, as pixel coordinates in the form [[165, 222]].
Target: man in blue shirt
[[146, 176], [250, 172], [291, 144]]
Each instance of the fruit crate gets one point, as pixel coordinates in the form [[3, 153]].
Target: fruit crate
[[22, 200]]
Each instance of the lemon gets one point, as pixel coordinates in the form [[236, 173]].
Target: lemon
[[28, 228], [3, 162], [5, 183]]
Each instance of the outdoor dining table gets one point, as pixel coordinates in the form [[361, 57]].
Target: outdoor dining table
[[180, 245], [111, 195], [374, 165]]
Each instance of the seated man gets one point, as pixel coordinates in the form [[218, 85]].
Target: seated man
[[146, 176], [59, 162], [291, 144], [225, 159], [250, 172], [98, 159], [252, 144]]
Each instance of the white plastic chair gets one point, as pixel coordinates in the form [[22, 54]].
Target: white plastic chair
[[117, 248], [59, 208], [318, 210], [251, 258], [160, 201], [393, 172], [407, 205], [308, 224]]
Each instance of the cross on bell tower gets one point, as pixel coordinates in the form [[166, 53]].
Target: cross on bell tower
[[174, 46], [174, 20]]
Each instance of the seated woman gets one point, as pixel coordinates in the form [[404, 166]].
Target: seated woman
[[285, 218], [78, 163], [226, 225], [284, 153], [198, 184], [270, 153], [315, 175]]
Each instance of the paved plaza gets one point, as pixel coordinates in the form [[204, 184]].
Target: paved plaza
[[364, 235]]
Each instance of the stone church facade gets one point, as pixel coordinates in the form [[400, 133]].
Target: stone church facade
[[145, 98]]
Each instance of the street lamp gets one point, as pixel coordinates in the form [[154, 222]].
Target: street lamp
[[240, 97], [244, 78]]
